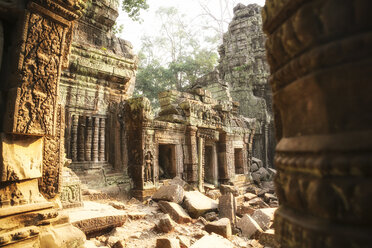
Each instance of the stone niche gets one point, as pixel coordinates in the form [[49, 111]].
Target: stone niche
[[100, 74], [242, 75], [194, 137]]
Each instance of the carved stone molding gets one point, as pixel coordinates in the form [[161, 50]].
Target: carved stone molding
[[320, 58]]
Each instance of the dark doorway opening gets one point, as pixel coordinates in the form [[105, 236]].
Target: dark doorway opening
[[238, 155], [167, 161], [209, 161]]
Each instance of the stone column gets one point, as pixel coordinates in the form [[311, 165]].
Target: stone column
[[200, 164], [320, 54], [102, 125], [192, 155], [81, 138], [74, 137], [95, 139], [88, 139]]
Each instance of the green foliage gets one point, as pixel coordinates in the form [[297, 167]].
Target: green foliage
[[117, 29], [134, 7], [174, 59]]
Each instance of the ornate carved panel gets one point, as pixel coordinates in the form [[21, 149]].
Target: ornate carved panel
[[53, 158], [33, 109]]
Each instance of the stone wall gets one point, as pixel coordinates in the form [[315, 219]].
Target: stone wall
[[34, 42], [100, 74], [243, 70]]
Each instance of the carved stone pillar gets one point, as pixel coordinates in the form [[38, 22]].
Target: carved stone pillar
[[192, 156], [320, 54], [31, 146], [81, 138], [74, 137], [88, 139], [95, 139], [102, 127], [200, 164]]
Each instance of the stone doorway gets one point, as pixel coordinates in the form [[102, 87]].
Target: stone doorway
[[210, 165], [167, 161], [238, 157]]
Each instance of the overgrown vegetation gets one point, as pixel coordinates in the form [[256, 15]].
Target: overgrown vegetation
[[173, 59]]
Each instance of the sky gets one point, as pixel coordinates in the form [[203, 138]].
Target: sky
[[133, 31]]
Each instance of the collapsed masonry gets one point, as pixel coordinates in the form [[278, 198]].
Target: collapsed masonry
[[244, 71]]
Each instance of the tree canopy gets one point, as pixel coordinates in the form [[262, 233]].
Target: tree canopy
[[174, 58], [134, 7]]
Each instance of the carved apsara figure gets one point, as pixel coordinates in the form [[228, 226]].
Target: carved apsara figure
[[148, 167]]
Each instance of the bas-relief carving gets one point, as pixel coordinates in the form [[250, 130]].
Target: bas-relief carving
[[324, 167], [40, 62], [53, 158]]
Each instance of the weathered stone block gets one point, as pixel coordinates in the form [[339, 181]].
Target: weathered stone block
[[173, 193], [227, 207], [177, 213], [264, 217], [221, 227], [249, 227], [21, 157], [212, 241], [267, 238], [197, 204], [167, 243], [166, 224]]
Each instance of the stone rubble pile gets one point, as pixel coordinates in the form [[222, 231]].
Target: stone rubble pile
[[177, 218]]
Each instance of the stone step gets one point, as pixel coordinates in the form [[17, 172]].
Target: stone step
[[96, 218]]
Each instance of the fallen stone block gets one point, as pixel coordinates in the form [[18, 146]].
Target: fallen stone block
[[119, 244], [221, 227], [179, 181], [227, 207], [167, 243], [252, 243], [249, 196], [258, 202], [172, 193], [184, 241], [263, 217], [117, 205], [176, 212], [212, 241], [224, 188], [269, 197], [166, 224], [239, 200], [96, 218], [245, 208], [201, 220], [267, 238], [137, 215], [197, 204], [211, 216], [249, 227], [214, 194], [199, 234]]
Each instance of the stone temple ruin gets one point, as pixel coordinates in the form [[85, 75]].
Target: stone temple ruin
[[243, 70], [194, 137], [70, 125]]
